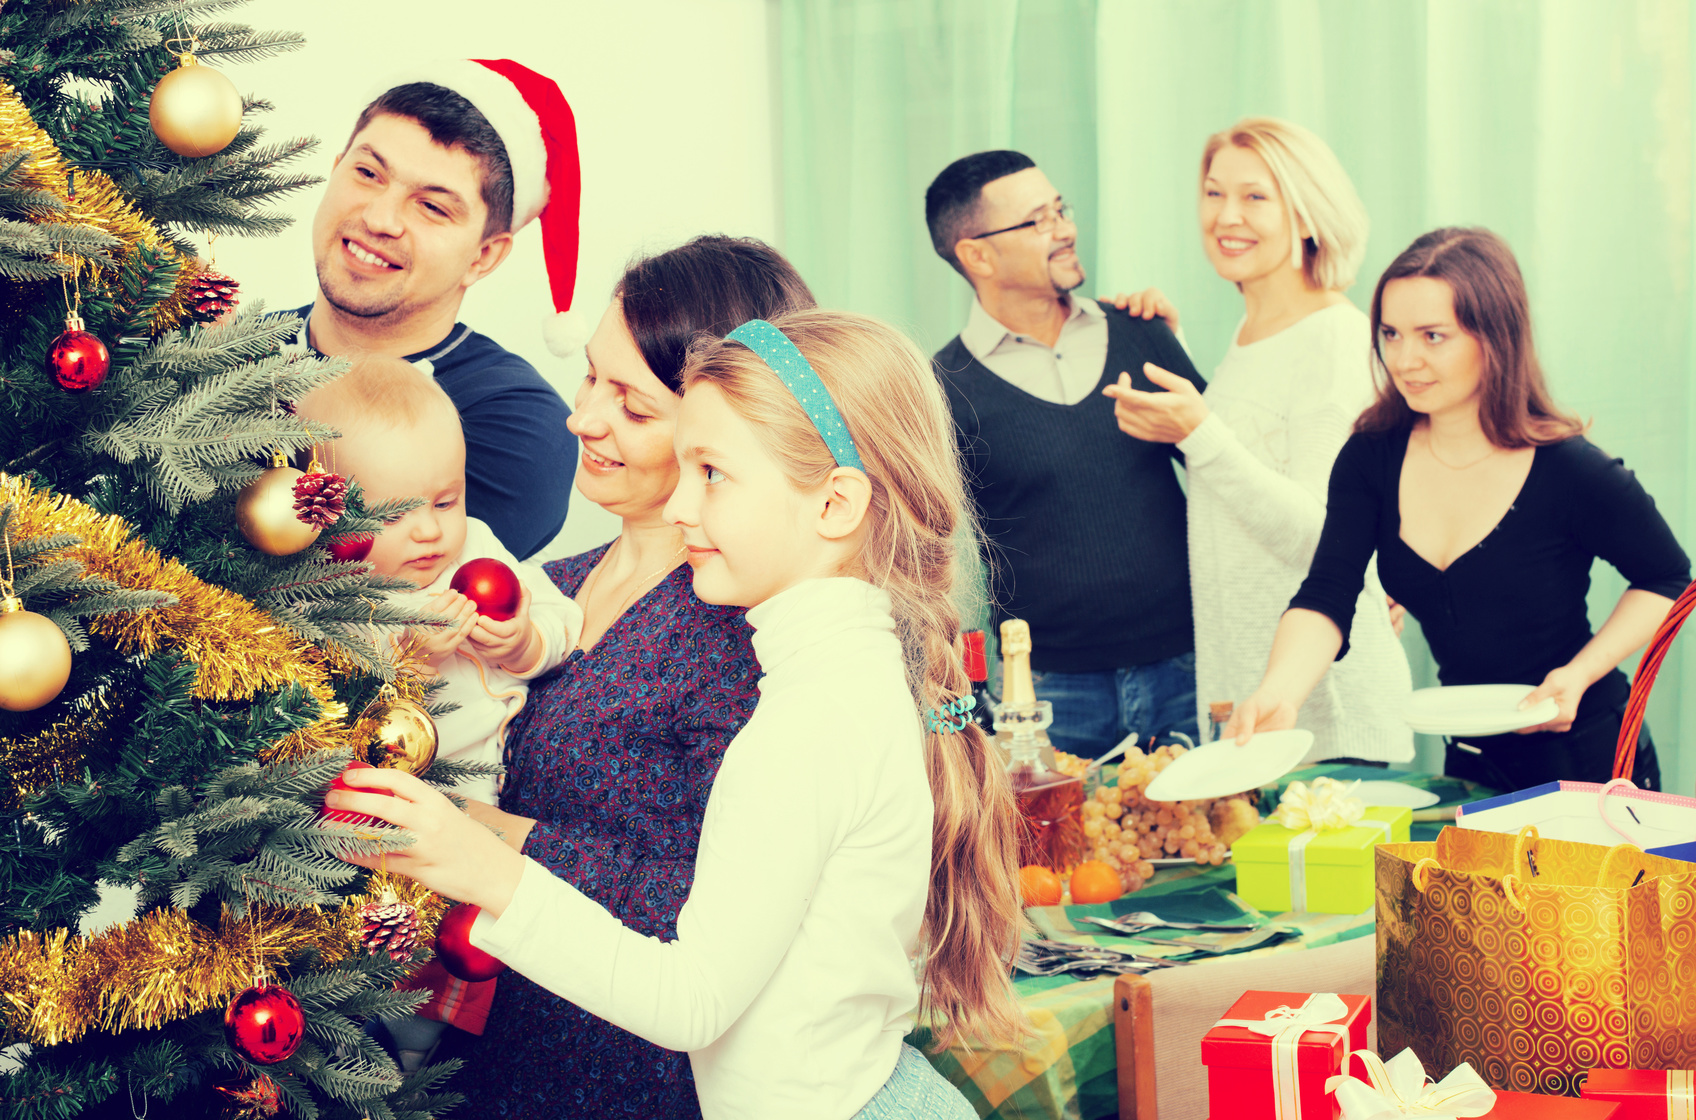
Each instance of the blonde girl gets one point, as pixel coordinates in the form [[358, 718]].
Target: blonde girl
[[856, 828]]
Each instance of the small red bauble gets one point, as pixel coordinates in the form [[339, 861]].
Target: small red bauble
[[264, 1024], [453, 945], [351, 548], [77, 361], [490, 584], [347, 816]]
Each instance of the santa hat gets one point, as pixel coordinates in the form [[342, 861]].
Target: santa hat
[[540, 135]]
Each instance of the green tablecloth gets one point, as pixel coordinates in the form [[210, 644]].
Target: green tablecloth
[[1068, 1071]]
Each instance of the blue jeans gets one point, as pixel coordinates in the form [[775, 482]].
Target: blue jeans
[[1094, 711], [915, 1091]]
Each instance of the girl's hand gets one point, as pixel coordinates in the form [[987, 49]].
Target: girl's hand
[[1157, 417], [1398, 616], [513, 644], [1260, 712], [1146, 305], [451, 854], [1567, 686], [437, 644]]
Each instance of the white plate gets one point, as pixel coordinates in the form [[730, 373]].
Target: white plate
[[1223, 768], [1476, 709], [1398, 794]]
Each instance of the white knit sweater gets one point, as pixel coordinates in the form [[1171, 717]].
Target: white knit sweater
[[791, 981], [1259, 466]]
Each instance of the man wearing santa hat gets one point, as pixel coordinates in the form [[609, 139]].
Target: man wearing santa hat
[[440, 171]]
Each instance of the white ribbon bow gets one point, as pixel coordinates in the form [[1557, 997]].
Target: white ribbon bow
[[1322, 1012], [1400, 1089], [1324, 806]]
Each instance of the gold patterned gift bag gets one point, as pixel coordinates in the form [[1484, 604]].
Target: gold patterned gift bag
[[1535, 960]]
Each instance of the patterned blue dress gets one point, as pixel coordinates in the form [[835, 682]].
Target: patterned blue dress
[[614, 756]]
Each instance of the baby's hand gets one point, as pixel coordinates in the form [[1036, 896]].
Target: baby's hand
[[513, 643], [436, 645]]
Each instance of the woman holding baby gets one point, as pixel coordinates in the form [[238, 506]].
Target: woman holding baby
[[611, 761]]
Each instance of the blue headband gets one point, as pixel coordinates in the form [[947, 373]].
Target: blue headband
[[792, 368]]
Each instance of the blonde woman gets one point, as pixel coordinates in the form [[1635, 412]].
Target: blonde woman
[[1281, 221]]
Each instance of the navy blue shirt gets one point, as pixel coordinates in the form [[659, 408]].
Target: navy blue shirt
[[519, 459]]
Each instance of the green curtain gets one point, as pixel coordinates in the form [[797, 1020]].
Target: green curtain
[[1564, 125], [878, 96]]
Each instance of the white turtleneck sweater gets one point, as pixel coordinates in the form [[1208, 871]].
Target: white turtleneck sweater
[[1259, 468], [791, 981]]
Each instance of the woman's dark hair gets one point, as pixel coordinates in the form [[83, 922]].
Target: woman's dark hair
[[1514, 408], [710, 285]]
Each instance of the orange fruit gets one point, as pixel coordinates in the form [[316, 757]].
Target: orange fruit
[[1039, 886], [1094, 881]]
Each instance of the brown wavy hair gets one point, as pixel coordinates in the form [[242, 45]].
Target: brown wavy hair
[[895, 411], [1515, 408]]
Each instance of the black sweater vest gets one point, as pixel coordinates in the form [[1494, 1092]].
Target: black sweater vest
[[1084, 526]]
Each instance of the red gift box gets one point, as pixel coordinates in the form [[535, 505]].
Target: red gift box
[[1534, 1106], [1240, 1084], [1643, 1094]]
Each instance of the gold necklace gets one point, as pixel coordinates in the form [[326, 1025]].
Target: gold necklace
[[1431, 446], [595, 579]]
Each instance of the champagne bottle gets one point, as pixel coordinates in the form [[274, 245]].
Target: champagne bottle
[[1050, 803], [977, 671]]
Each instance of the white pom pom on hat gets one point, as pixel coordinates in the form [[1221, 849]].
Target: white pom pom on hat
[[539, 132], [566, 332]]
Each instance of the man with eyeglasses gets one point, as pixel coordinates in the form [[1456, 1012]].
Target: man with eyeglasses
[[1084, 526]]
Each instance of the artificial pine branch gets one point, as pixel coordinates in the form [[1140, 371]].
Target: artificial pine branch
[[55, 586], [44, 1088]]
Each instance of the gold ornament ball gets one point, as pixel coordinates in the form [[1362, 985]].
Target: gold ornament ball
[[265, 514], [406, 737], [195, 111], [35, 660]]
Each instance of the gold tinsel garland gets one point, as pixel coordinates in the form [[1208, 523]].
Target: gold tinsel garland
[[97, 202], [56, 987]]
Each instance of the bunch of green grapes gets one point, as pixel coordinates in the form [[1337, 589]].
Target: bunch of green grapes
[[1125, 830]]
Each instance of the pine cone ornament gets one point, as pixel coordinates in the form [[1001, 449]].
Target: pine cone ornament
[[389, 926], [319, 498], [210, 295]]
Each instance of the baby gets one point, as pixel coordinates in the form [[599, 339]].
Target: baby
[[401, 439]]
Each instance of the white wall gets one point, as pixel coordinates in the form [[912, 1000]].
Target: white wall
[[673, 100]]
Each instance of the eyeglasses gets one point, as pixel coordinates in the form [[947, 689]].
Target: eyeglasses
[[1044, 224]]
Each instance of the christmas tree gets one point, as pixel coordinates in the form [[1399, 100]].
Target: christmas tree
[[187, 655]]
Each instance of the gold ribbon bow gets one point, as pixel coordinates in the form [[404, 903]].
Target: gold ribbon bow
[[1400, 1089]]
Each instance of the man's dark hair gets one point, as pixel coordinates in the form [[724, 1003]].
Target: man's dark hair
[[453, 122], [709, 285], [951, 203]]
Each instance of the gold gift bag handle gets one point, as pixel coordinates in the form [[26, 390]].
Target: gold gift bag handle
[[1524, 855], [1625, 751]]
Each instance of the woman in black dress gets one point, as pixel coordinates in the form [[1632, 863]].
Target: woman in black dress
[[1486, 506]]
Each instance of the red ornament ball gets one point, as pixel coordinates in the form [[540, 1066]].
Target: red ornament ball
[[264, 1024], [352, 549], [78, 361], [453, 945], [347, 816], [490, 584]]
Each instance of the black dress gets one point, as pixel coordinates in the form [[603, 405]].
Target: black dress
[[1513, 607]]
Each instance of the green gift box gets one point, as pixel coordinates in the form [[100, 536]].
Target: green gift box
[[1334, 867]]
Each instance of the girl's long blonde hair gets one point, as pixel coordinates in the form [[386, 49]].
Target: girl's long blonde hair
[[901, 426]]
